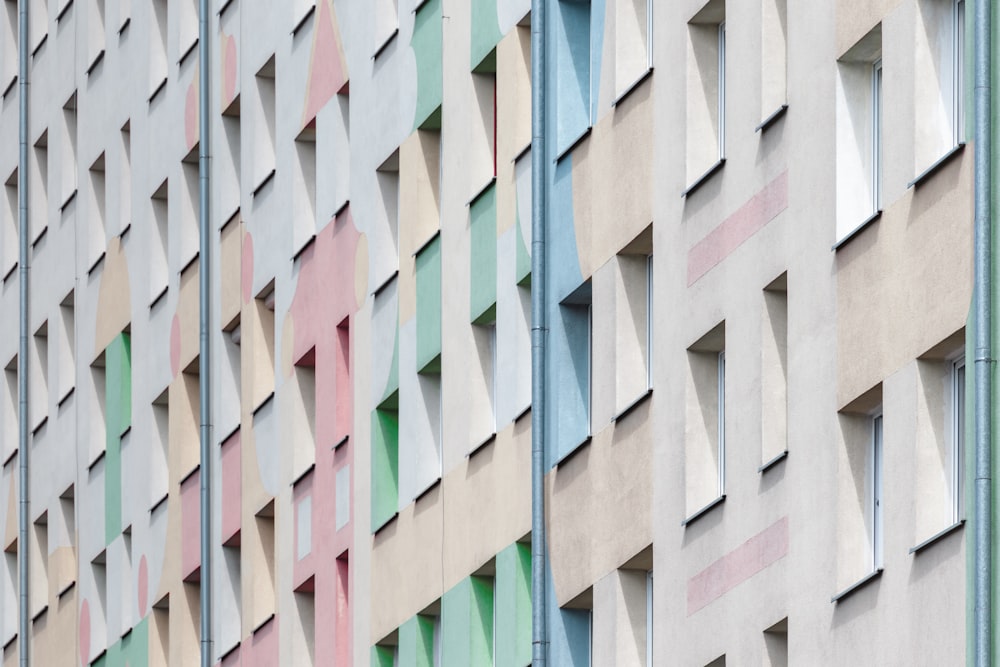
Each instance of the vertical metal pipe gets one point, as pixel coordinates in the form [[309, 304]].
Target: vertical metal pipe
[[539, 201], [204, 319], [24, 621], [982, 587]]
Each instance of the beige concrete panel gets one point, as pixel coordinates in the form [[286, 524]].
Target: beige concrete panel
[[856, 17], [610, 212], [55, 639], [230, 269], [905, 282], [406, 562], [600, 504], [488, 502], [114, 301]]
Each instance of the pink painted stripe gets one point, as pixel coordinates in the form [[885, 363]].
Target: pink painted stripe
[[738, 565], [762, 208]]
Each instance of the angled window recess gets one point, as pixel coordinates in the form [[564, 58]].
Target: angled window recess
[[572, 56], [97, 412], [468, 620], [705, 423], [633, 43], [304, 184], [387, 180], [67, 166], [38, 11], [96, 28], [39, 187], [262, 566], [230, 376], [39, 568], [385, 415], [386, 24], [343, 396], [187, 27], [124, 15], [859, 135], [38, 371], [304, 413], [633, 322], [773, 60], [426, 421], [774, 373], [9, 231], [227, 156], [97, 229], [859, 525], [706, 98], [576, 363], [385, 653], [158, 242], [8, 410], [263, 121], [483, 300], [8, 43], [940, 440], [124, 184], [159, 453], [157, 47], [189, 242], [939, 79], [67, 347], [776, 644], [262, 345]]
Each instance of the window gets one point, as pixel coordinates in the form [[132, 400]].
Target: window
[[264, 126], [157, 47], [386, 23], [774, 60], [649, 619], [875, 496], [95, 33], [774, 373], [97, 240], [958, 68], [39, 24], [706, 98], [39, 188], [304, 213], [776, 644], [38, 387], [649, 322], [124, 184], [957, 453], [572, 55], [876, 159], [938, 83], [633, 43], [859, 135], [157, 267], [705, 427], [188, 245], [67, 347]]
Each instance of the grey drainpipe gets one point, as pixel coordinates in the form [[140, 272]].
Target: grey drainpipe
[[539, 629], [984, 363], [24, 622], [204, 349]]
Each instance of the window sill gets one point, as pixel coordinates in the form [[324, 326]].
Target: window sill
[[159, 503], [156, 91], [627, 410], [385, 283], [10, 272], [481, 191], [38, 614], [67, 200], [65, 397], [37, 241], [857, 230], [63, 11], [39, 426], [97, 459], [771, 119], [489, 440], [767, 465], [260, 626], [38, 47], [701, 180], [629, 89], [65, 589], [226, 4], [268, 177], [340, 443], [158, 297], [933, 539], [931, 170], [96, 263], [385, 44], [572, 452], [522, 413], [302, 21], [9, 87], [430, 487], [302, 475], [703, 511], [98, 59], [10, 457], [573, 144], [385, 524], [856, 586], [423, 246], [187, 52], [124, 26]]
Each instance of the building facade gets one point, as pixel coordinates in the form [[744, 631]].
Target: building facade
[[757, 263]]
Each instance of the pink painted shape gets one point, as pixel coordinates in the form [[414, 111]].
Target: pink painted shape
[[84, 633], [175, 345], [191, 527], [191, 115], [229, 73], [738, 565], [246, 268], [231, 489], [261, 650], [327, 66], [143, 586], [738, 227]]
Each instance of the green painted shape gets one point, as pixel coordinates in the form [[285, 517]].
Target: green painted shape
[[382, 656], [485, 35], [130, 651], [385, 466], [483, 256], [429, 307], [117, 418], [467, 624], [522, 268], [427, 48], [416, 642], [513, 606]]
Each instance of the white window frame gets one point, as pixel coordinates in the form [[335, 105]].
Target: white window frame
[[722, 422], [649, 618], [957, 381], [722, 90], [649, 34], [876, 460], [877, 136], [590, 369], [649, 322], [958, 72]]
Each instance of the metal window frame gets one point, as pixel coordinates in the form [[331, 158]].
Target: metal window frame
[[649, 618], [722, 421], [722, 90], [649, 321], [876, 119], [957, 408], [876, 460], [958, 72]]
